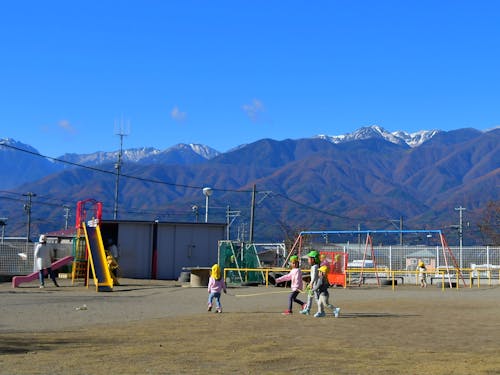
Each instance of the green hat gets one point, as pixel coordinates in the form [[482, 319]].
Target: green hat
[[293, 258], [313, 254]]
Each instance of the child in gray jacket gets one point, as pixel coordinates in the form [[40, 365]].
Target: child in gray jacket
[[320, 288]]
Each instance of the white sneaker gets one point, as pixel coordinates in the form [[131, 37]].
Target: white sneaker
[[42, 286], [337, 312]]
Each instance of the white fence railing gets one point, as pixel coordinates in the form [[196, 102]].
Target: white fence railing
[[393, 258], [405, 258]]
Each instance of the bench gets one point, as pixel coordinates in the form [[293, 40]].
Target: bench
[[199, 275], [487, 279], [384, 280]]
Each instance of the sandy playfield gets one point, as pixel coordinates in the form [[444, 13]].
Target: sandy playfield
[[163, 327]]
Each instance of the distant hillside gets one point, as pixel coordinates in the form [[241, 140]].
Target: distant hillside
[[17, 168], [301, 184]]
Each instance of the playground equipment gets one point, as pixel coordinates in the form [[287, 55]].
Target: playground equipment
[[18, 280], [239, 256], [90, 254], [368, 257], [336, 262]]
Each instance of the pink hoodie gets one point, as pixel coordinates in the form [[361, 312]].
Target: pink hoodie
[[295, 275], [216, 286]]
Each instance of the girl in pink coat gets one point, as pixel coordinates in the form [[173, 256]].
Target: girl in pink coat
[[216, 285], [295, 276]]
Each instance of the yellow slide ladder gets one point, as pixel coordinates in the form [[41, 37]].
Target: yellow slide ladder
[[80, 264]]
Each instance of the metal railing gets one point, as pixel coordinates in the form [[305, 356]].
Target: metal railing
[[358, 276]]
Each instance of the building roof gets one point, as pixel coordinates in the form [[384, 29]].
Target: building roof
[[63, 233], [422, 254]]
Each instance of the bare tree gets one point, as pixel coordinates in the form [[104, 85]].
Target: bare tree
[[490, 224]]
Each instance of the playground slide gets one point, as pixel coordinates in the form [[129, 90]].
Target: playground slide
[[18, 280], [97, 258]]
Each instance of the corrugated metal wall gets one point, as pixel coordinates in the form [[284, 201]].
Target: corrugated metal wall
[[178, 245], [135, 243]]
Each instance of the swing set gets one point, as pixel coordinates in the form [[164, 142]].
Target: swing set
[[337, 260]]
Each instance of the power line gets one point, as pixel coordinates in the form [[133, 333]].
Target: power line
[[42, 200], [315, 209], [122, 175], [269, 193]]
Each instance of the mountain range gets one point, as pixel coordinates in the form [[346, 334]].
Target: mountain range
[[367, 179]]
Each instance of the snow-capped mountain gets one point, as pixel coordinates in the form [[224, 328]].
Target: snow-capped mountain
[[179, 153], [372, 179], [99, 157], [16, 144], [197, 153], [375, 131], [202, 150], [22, 167]]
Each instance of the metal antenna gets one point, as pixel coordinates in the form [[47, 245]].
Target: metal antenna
[[118, 165]]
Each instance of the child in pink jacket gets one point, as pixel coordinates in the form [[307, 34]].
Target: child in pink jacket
[[295, 276], [216, 285]]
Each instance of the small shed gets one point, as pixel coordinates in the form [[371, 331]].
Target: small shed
[[160, 250]]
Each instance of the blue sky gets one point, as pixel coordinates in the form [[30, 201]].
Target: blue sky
[[225, 73]]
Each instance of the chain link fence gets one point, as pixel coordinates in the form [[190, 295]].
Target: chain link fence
[[16, 257]]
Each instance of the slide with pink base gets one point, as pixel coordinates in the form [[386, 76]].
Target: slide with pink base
[[18, 280]]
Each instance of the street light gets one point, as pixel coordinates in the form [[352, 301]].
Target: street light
[[207, 192]]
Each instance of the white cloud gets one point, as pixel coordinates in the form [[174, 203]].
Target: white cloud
[[254, 110], [177, 115], [66, 126]]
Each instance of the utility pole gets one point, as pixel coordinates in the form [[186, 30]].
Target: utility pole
[[118, 166], [252, 215], [460, 232], [66, 216], [3, 223], [27, 208], [228, 222], [241, 232], [230, 217], [400, 229], [359, 236]]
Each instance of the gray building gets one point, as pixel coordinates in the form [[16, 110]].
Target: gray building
[[159, 250]]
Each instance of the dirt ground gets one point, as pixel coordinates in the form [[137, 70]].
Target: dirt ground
[[162, 327]]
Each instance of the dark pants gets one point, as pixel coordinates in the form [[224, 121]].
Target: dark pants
[[293, 298], [51, 275]]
